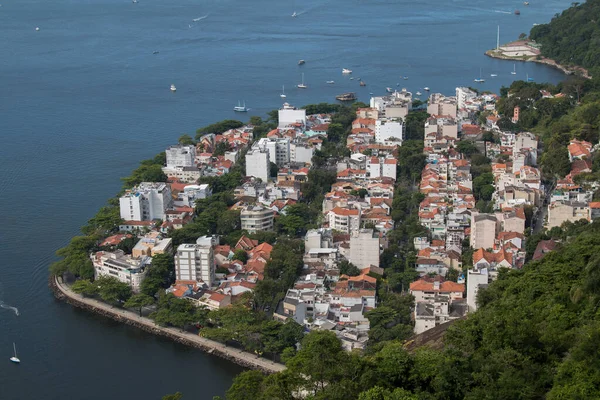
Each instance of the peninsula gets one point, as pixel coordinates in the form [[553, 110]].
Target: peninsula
[[529, 51]]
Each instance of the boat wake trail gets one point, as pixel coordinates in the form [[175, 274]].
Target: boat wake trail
[[6, 306], [502, 12], [200, 18]]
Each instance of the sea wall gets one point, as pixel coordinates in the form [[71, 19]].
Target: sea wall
[[242, 358]]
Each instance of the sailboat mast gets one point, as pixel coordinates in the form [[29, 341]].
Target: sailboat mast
[[498, 39], [15, 348]]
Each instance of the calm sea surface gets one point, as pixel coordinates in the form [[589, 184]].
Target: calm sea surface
[[84, 99]]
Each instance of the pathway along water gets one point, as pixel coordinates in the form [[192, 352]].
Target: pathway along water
[[63, 292], [84, 99]]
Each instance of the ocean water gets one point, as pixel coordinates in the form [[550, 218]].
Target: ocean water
[[84, 99]]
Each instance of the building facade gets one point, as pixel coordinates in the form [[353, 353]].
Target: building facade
[[195, 262], [258, 164], [146, 202], [364, 248], [125, 268], [257, 218]]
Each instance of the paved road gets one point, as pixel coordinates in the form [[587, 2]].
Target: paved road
[[245, 357]]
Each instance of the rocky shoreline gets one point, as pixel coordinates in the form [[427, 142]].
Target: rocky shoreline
[[546, 61], [236, 356]]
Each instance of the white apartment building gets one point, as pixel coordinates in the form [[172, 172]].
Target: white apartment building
[[301, 153], [289, 115], [344, 220], [476, 279], [389, 132], [364, 248], [381, 167], [180, 156], [257, 218], [125, 268], [278, 148], [146, 202], [464, 95], [195, 262], [188, 196], [258, 164]]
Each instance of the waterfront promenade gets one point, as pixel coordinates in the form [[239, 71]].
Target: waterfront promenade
[[240, 357]]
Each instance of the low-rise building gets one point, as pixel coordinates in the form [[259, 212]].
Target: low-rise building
[[563, 211], [152, 244], [125, 268]]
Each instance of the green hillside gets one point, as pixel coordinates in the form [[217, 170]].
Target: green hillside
[[573, 37]]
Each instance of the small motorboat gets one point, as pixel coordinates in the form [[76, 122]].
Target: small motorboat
[[493, 74], [346, 71], [479, 80], [37, 28], [371, 93], [155, 52], [351, 78], [330, 82], [389, 90], [525, 3], [418, 93], [426, 89], [294, 15], [405, 77], [14, 358], [301, 62], [362, 83], [173, 88], [517, 12]]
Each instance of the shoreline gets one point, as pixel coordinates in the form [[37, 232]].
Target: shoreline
[[546, 61], [239, 357]]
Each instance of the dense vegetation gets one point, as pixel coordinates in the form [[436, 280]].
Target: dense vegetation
[[572, 37]]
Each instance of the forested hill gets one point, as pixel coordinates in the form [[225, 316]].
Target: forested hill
[[573, 37]]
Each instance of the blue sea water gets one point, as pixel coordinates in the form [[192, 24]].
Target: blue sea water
[[84, 99]]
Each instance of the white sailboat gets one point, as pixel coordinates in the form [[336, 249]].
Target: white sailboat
[[514, 71], [240, 108], [480, 80], [282, 95], [173, 88], [302, 85], [15, 359]]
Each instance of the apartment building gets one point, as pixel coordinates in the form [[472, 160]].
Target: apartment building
[[364, 248], [121, 266], [146, 202], [344, 219], [258, 163], [257, 218], [195, 262]]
